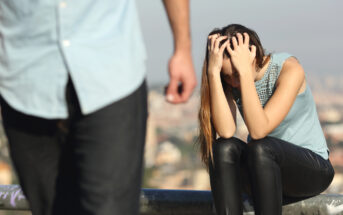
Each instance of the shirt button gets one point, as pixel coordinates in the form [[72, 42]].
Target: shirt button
[[66, 43], [63, 4]]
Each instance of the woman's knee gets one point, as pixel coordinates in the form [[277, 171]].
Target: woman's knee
[[261, 150], [227, 149]]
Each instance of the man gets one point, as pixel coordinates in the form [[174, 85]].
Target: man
[[74, 100]]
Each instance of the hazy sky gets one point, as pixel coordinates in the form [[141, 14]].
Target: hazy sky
[[312, 30]]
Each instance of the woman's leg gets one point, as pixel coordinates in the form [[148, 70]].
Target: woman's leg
[[278, 168], [225, 175]]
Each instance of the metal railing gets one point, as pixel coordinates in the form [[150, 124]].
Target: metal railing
[[195, 202]]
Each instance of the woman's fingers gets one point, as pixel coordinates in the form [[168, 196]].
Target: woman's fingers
[[228, 48], [209, 41], [234, 42], [246, 39], [213, 39], [253, 50], [240, 39], [212, 42], [218, 40], [222, 48]]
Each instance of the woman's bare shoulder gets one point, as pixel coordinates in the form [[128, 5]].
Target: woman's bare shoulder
[[291, 69]]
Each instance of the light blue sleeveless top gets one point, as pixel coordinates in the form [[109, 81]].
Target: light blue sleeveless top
[[301, 125]]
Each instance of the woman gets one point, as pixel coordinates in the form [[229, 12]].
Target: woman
[[286, 154]]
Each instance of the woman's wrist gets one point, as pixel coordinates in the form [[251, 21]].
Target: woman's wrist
[[245, 73], [246, 79], [214, 76], [214, 72]]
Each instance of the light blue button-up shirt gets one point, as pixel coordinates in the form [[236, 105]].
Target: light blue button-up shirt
[[97, 42]]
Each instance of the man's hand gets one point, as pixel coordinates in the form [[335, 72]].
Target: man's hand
[[182, 78], [181, 70]]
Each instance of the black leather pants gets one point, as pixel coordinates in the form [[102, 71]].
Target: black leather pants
[[268, 170]]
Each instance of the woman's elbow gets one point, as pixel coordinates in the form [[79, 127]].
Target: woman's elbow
[[226, 134], [257, 135]]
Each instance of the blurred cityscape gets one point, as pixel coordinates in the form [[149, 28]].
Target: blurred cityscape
[[172, 160]]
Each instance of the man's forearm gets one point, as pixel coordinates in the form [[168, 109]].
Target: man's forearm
[[178, 15], [180, 66]]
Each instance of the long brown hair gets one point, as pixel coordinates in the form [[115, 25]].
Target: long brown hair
[[207, 133]]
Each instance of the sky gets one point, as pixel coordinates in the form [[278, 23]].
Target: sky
[[311, 30]]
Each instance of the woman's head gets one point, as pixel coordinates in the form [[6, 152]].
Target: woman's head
[[229, 74], [229, 79], [231, 31]]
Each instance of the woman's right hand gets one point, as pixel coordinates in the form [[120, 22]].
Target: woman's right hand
[[215, 53]]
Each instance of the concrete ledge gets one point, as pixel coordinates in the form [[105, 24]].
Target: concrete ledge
[[186, 202]]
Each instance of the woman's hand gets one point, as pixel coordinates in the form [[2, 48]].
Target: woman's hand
[[242, 56], [215, 53]]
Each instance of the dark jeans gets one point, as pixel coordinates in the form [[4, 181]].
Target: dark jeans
[[268, 170], [85, 165]]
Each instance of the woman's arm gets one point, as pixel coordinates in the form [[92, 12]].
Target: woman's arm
[[260, 122], [223, 110]]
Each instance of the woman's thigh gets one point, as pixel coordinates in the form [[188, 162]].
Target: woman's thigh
[[303, 172]]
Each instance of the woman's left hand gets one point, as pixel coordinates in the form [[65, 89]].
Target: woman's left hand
[[242, 55]]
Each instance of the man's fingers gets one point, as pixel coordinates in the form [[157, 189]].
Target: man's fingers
[[172, 94], [177, 93], [187, 89]]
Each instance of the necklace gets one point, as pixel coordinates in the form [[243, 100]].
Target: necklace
[[258, 69]]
